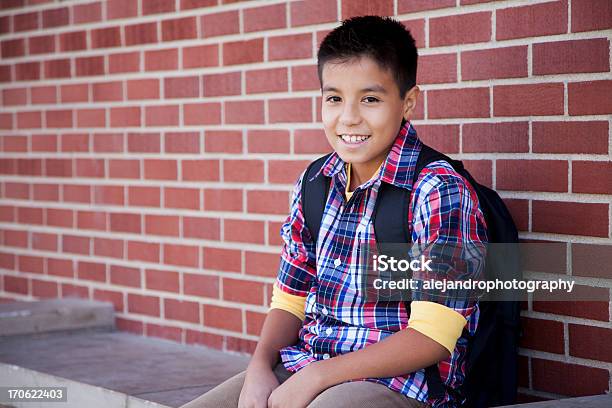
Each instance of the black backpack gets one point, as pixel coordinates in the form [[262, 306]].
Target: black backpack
[[491, 361]]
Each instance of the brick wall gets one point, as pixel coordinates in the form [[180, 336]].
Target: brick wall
[[149, 147]]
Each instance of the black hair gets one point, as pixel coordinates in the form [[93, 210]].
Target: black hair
[[385, 40]]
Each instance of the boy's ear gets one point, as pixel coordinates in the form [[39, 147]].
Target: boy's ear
[[410, 102]]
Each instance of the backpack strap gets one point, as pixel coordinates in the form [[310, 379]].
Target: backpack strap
[[314, 196]]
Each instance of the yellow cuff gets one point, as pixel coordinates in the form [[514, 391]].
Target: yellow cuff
[[438, 322], [290, 303]]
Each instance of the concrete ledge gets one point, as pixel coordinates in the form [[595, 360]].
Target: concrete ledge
[[595, 401], [53, 315]]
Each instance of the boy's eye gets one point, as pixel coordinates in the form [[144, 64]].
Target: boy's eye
[[332, 99], [371, 99]]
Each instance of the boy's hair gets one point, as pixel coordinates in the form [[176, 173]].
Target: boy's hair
[[383, 39]]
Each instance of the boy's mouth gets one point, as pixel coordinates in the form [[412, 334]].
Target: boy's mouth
[[354, 140]]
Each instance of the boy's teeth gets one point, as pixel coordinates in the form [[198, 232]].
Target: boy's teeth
[[354, 138]]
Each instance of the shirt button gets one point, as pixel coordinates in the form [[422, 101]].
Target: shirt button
[[325, 356], [337, 262], [329, 331], [324, 311]]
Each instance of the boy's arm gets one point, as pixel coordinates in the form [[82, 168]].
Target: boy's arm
[[280, 329]]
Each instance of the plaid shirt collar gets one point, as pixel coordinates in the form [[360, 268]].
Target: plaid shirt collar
[[398, 168]]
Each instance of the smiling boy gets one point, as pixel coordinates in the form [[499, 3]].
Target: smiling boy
[[337, 348]]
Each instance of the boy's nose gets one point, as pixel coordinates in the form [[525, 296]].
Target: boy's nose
[[350, 116]]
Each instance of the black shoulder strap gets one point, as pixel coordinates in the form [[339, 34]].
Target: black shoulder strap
[[429, 155], [314, 196]]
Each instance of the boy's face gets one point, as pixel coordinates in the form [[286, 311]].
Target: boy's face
[[362, 110]]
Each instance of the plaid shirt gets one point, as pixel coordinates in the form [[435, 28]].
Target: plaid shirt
[[444, 208]]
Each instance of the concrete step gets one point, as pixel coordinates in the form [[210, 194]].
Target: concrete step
[[20, 318]]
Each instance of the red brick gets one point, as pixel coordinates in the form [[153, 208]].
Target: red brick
[[15, 284], [91, 271], [294, 46], [411, 6], [181, 255], [590, 98], [187, 198], [532, 175], [182, 87], [202, 338], [201, 56], [157, 6], [435, 69], [44, 143], [55, 17], [125, 276], [590, 219], [592, 177], [239, 344], [460, 29], [59, 218], [123, 222], [220, 24], [27, 71], [265, 18], [112, 248], [141, 33], [143, 251], [91, 220], [222, 84], [15, 144], [158, 169], [162, 225], [164, 332], [444, 138], [266, 80], [312, 12], [69, 290], [73, 41], [588, 15], [106, 37], [125, 116], [458, 103], [191, 4], [89, 66], [16, 96], [26, 21], [164, 115], [74, 93], [563, 137], [43, 94], [16, 238], [202, 113], [58, 118], [143, 89], [5, 72], [144, 142], [244, 231], [59, 68], [12, 48], [568, 379], [531, 21], [30, 167], [222, 200], [60, 267], [201, 227], [249, 171], [179, 29], [589, 342], [78, 142], [121, 8], [563, 57], [107, 91], [45, 242], [244, 112], [166, 281], [365, 7], [44, 289], [91, 118], [243, 291], [290, 110], [227, 260], [7, 261], [268, 201], [116, 298], [201, 285], [481, 170], [27, 215], [7, 4], [75, 244], [33, 264], [182, 310], [41, 44], [161, 60], [222, 317], [262, 263], [223, 141], [503, 137], [268, 141], [310, 141], [144, 196], [124, 62], [518, 100], [285, 171], [508, 62], [588, 259], [17, 190], [141, 304], [200, 170], [243, 52], [129, 326], [303, 78], [182, 142], [76, 193], [111, 195], [543, 335], [5, 24], [90, 167], [86, 13]]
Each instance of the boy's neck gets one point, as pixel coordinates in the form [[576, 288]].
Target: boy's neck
[[362, 172]]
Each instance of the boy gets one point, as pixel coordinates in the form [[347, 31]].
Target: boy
[[328, 336]]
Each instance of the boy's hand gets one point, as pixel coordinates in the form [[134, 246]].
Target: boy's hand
[[299, 390], [259, 383]]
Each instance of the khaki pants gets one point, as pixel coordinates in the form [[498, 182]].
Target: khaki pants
[[362, 394]]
